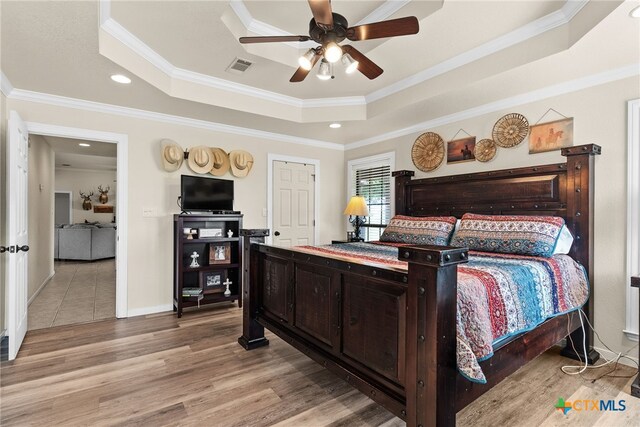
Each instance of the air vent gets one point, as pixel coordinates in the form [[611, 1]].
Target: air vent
[[239, 66]]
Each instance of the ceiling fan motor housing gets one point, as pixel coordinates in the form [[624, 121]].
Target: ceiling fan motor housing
[[336, 34]]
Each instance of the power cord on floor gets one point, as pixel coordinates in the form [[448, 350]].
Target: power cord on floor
[[580, 369]]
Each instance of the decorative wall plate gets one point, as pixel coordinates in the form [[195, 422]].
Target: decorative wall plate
[[485, 150], [510, 130], [427, 152]]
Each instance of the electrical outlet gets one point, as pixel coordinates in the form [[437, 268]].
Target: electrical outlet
[[148, 212], [264, 212]]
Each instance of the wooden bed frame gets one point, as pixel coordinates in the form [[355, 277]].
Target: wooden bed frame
[[392, 333]]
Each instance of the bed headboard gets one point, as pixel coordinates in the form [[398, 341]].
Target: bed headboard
[[562, 189]]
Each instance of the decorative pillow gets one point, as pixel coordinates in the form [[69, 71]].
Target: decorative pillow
[[509, 234], [434, 230]]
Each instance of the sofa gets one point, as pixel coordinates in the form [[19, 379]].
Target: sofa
[[85, 242]]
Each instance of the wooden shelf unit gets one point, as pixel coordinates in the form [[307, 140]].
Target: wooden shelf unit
[[194, 277]]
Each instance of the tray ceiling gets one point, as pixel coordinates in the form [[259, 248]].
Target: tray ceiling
[[467, 53]]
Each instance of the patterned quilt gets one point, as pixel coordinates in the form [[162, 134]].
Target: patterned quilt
[[498, 295]]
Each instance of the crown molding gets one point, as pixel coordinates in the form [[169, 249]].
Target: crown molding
[[540, 94], [525, 98], [80, 104], [5, 85], [553, 20]]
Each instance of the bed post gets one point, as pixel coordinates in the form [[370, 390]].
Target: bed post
[[252, 331], [430, 364], [580, 213], [402, 178]]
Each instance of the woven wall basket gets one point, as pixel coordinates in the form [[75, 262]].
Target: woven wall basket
[[427, 152]]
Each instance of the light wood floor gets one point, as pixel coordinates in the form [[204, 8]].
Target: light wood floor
[[160, 370]]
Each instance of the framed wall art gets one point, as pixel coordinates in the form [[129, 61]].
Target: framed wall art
[[461, 150], [551, 136]]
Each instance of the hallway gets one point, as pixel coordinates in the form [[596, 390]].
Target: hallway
[[78, 292]]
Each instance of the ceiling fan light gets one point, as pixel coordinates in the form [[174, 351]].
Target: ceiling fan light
[[350, 64], [324, 71], [305, 60], [332, 52]]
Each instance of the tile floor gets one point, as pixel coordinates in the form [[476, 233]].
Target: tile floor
[[78, 292]]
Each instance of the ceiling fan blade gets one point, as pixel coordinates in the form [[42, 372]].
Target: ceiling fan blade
[[365, 65], [270, 39], [301, 73], [322, 13], [379, 30]]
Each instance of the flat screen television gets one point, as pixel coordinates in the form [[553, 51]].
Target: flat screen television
[[206, 194]]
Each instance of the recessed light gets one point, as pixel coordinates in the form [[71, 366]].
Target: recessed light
[[119, 78], [66, 164], [84, 144], [635, 12], [335, 125]]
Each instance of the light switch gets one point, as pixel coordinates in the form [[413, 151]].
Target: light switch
[[264, 212]]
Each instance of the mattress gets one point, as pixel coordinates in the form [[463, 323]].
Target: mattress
[[499, 295]]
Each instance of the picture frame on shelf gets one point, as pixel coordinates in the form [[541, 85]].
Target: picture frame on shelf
[[212, 281], [220, 253], [209, 232]]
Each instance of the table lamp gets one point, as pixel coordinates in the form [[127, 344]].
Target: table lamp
[[357, 210]]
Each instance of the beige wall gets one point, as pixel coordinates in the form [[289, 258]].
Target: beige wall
[[76, 180], [41, 192], [149, 242], [600, 116]]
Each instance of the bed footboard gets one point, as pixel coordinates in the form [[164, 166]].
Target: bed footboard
[[389, 333]]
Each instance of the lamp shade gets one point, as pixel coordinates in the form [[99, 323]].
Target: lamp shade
[[357, 206]]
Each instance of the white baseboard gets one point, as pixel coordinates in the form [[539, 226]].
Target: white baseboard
[[611, 355], [149, 310], [40, 288]]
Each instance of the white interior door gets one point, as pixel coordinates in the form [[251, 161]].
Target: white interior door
[[17, 236], [293, 203]]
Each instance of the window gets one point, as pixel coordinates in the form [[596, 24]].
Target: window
[[371, 177]]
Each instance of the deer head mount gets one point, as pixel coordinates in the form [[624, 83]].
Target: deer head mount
[[86, 204], [103, 194]]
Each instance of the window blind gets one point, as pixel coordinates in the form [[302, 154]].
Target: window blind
[[374, 183]]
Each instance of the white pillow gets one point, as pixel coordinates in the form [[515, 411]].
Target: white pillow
[[565, 240]]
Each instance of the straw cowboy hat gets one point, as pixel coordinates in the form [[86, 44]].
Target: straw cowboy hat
[[172, 155], [241, 162], [220, 162], [200, 159]]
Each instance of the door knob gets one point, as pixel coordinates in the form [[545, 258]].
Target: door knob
[[277, 233], [24, 248]]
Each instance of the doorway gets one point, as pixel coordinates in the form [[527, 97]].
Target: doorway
[[292, 200], [72, 276], [63, 212]]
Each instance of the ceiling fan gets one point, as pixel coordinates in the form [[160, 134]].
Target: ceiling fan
[[329, 29]]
